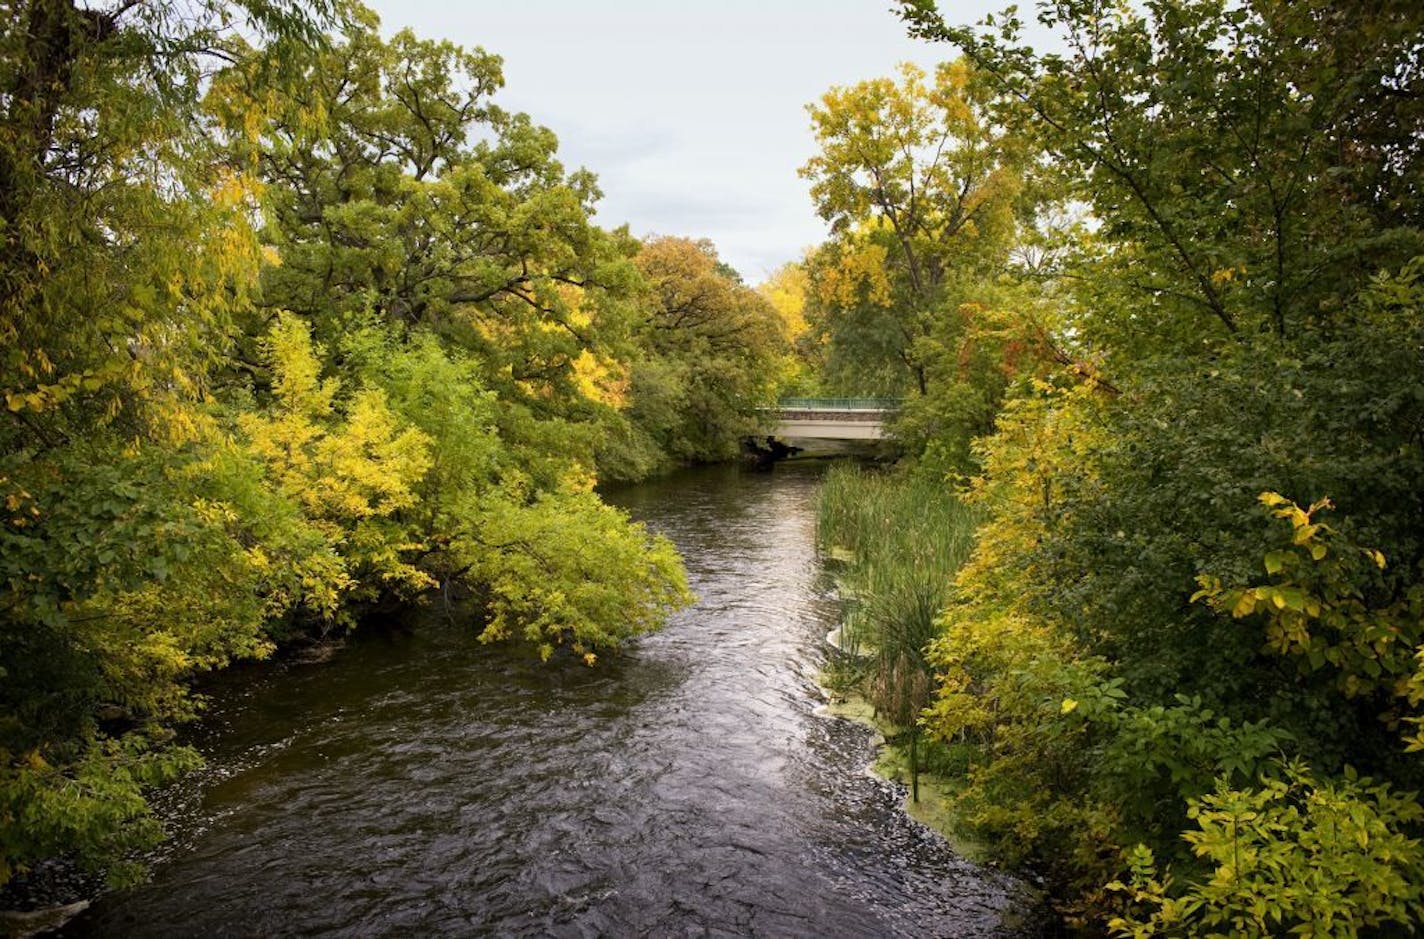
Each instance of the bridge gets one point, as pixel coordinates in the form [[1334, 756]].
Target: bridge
[[832, 418]]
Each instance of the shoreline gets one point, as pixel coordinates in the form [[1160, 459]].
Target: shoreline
[[890, 763]]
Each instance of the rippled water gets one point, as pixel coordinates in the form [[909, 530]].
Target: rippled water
[[421, 784]]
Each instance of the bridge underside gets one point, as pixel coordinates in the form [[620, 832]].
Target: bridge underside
[[816, 432], [829, 429]]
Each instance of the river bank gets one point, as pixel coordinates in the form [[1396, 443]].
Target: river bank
[[891, 545]]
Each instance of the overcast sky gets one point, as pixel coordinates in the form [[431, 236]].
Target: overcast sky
[[692, 114]]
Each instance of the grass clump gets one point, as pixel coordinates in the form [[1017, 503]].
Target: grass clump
[[901, 538]]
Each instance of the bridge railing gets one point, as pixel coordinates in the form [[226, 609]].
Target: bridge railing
[[839, 404]]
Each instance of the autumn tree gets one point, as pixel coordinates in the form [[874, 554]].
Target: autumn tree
[[920, 188], [1252, 165], [787, 290], [397, 189], [126, 260], [446, 265], [119, 243]]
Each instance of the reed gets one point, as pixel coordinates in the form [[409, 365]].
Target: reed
[[902, 539]]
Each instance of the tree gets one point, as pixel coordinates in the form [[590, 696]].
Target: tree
[[921, 191], [414, 198], [786, 290], [1252, 164], [126, 258], [120, 243], [711, 351]]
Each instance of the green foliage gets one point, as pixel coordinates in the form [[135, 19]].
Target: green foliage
[[1100, 699], [119, 582], [92, 808], [988, 340], [921, 190], [123, 250], [1315, 609], [1293, 854], [1243, 318], [396, 187], [1311, 419], [440, 392], [213, 444], [1206, 138], [469, 326], [1239, 312], [568, 570], [710, 352]]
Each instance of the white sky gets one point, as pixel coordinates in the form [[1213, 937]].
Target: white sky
[[692, 114]]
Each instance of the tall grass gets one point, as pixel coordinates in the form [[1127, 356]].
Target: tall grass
[[902, 539]]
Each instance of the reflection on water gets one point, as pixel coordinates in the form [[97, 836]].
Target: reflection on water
[[421, 784]]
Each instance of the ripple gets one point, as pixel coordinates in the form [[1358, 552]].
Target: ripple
[[422, 784]]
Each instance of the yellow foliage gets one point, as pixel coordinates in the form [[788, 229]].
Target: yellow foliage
[[860, 272], [786, 291], [602, 379], [1041, 438], [347, 474], [235, 190]]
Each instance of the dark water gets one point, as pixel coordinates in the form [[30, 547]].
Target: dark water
[[420, 784]]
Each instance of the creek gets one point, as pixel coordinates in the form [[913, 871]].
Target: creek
[[422, 784]]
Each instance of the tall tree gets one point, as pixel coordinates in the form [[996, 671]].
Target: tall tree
[[126, 260], [414, 198], [920, 188], [710, 353], [119, 243]]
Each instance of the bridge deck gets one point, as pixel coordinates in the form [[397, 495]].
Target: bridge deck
[[832, 418]]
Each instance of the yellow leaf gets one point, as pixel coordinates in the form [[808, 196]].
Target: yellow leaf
[[1069, 706]]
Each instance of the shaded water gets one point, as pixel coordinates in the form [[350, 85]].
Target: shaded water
[[421, 784]]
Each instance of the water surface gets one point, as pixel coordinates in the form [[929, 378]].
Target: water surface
[[421, 784]]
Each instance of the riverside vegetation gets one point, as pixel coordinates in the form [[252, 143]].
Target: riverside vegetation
[[897, 542], [297, 321], [1156, 303]]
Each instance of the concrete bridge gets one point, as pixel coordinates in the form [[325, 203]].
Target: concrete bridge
[[832, 418]]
